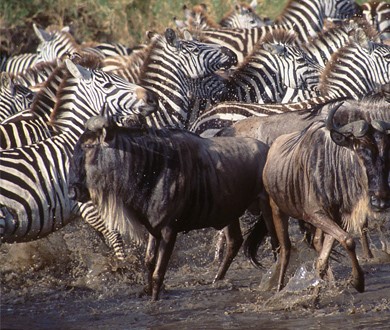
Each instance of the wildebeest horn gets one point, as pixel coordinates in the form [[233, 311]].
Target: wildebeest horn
[[96, 123], [357, 128], [381, 126]]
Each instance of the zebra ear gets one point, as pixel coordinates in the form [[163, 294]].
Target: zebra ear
[[361, 38], [78, 71], [187, 35], [65, 29], [42, 34], [275, 49], [170, 36], [253, 4]]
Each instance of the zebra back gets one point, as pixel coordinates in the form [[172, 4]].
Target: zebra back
[[226, 113], [276, 66], [307, 17], [360, 68]]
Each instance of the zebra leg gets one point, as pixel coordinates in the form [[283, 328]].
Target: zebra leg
[[89, 214]]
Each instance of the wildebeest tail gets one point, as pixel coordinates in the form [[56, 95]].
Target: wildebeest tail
[[254, 238]]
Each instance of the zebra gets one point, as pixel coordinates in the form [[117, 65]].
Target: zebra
[[377, 13], [224, 114], [241, 16], [44, 165], [58, 44], [53, 45], [304, 17], [13, 97], [275, 67], [171, 64], [358, 69], [307, 17]]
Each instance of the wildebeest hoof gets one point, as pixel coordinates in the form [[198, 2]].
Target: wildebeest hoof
[[358, 284]]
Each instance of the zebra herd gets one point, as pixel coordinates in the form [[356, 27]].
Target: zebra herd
[[201, 76]]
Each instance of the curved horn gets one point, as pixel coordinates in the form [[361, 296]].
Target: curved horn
[[357, 128], [381, 126], [96, 123]]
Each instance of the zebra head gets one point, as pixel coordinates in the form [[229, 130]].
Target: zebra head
[[243, 16], [94, 92], [54, 44], [296, 69], [195, 59]]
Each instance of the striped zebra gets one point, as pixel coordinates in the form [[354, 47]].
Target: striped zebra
[[358, 69], [377, 13], [225, 114], [57, 44], [307, 17], [241, 16], [43, 166], [276, 67], [171, 65], [14, 98], [53, 44]]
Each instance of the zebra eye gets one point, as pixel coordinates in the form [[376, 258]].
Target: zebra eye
[[195, 50], [108, 85]]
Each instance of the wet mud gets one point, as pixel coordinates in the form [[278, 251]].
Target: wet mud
[[71, 280]]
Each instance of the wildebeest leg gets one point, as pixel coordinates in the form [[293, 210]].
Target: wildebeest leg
[[318, 240], [165, 248], [324, 254], [219, 246], [234, 241], [365, 246], [327, 225], [281, 227], [150, 261], [266, 210]]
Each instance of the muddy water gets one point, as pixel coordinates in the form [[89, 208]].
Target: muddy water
[[70, 280]]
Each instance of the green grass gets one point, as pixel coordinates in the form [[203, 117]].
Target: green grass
[[125, 21]]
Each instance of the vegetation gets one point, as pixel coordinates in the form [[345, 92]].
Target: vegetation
[[124, 21]]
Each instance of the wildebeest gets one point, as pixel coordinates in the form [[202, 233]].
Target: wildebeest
[[168, 181], [333, 177]]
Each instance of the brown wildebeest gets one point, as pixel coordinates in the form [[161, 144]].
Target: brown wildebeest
[[168, 181], [332, 177]]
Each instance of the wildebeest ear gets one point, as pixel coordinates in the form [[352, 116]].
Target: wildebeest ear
[[340, 139]]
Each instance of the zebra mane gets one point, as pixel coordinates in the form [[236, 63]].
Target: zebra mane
[[280, 36], [277, 36], [5, 81], [47, 97]]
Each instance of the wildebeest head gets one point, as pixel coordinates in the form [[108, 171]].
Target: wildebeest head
[[92, 137], [371, 143]]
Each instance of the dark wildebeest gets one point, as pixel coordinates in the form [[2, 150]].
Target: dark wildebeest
[[169, 181], [332, 177]]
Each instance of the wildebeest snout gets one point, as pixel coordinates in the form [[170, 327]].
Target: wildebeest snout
[[380, 203]]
